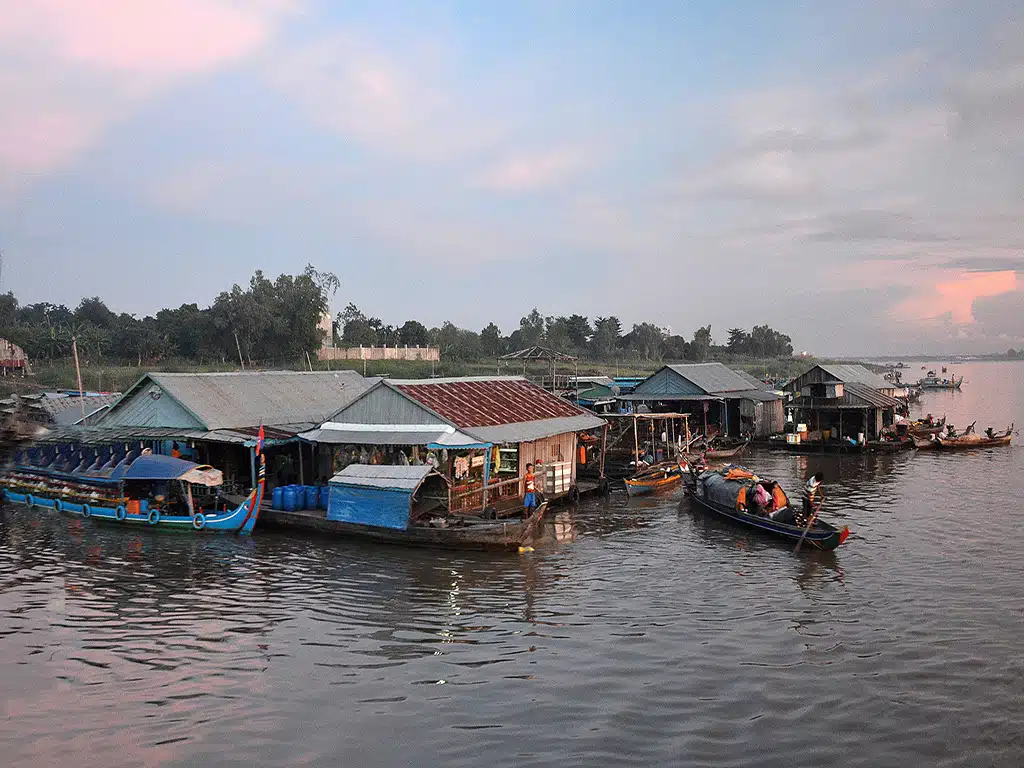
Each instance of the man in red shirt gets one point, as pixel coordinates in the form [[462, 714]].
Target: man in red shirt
[[529, 490]]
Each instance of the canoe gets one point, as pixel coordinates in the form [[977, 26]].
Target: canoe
[[973, 441], [712, 491], [461, 533], [726, 453], [922, 444], [118, 495], [658, 478]]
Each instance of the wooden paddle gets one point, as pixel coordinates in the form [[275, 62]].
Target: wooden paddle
[[810, 522]]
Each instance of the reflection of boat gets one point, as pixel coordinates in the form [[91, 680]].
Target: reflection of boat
[[103, 485], [725, 492], [655, 478], [931, 381], [401, 505], [972, 440]]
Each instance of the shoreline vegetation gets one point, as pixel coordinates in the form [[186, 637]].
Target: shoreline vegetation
[[280, 324]]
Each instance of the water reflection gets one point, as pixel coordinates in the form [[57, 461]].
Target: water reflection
[[638, 632]]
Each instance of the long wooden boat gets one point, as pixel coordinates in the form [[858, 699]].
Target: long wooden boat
[[934, 382], [724, 493], [726, 453], [404, 505], [455, 533], [924, 429], [657, 478], [102, 485], [923, 444], [972, 440]]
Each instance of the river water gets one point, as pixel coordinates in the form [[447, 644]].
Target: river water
[[640, 633]]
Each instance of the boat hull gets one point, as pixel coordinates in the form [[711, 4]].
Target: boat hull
[[641, 487], [957, 444], [241, 520], [482, 535]]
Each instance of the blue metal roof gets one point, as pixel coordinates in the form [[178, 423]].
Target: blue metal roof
[[154, 467]]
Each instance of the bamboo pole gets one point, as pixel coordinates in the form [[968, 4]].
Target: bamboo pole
[[78, 373]]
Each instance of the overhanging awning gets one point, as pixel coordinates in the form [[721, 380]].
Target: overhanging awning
[[428, 435]]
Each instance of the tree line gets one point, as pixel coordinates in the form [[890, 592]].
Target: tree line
[[602, 339], [276, 320]]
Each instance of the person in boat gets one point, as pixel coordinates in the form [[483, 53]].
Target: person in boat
[[990, 433], [761, 502], [812, 497], [529, 491]]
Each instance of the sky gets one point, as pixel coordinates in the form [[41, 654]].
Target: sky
[[851, 173]]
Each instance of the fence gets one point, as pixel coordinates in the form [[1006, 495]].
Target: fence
[[379, 353]]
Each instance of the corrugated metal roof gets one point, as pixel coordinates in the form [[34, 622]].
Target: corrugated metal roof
[[524, 432], [100, 435], [855, 374], [336, 433], [382, 476], [713, 378], [251, 398], [755, 383], [487, 402], [760, 395]]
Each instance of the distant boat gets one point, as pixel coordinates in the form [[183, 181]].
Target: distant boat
[[931, 381], [973, 440]]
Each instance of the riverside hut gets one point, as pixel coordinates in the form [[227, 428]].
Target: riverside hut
[[214, 418], [721, 400], [843, 400], [478, 432]]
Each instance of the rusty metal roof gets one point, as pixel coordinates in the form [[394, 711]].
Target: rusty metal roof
[[487, 402]]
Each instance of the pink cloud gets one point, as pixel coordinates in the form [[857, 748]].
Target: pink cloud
[[69, 68], [532, 171], [956, 297], [150, 37]]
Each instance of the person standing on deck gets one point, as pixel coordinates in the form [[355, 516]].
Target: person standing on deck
[[175, 451], [529, 491], [812, 496]]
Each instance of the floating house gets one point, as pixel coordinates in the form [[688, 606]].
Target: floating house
[[844, 400], [721, 400], [479, 433], [595, 393], [214, 418]]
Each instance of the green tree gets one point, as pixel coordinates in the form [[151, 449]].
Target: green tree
[[607, 337], [701, 346], [491, 341], [413, 334], [531, 329]]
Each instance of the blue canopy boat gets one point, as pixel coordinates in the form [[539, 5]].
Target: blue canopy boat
[[725, 491], [130, 488]]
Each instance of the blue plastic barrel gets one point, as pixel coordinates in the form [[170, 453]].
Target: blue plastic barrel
[[312, 497], [324, 491], [277, 498], [288, 499]]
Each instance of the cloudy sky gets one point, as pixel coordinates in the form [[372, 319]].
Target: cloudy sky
[[851, 173]]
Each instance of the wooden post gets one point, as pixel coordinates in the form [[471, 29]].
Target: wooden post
[[636, 443], [604, 448], [252, 465], [241, 362], [487, 473], [78, 373], [686, 423], [840, 423], [302, 477]]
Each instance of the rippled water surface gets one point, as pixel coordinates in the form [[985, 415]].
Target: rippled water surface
[[657, 636]]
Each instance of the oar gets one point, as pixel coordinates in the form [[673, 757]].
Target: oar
[[810, 522]]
